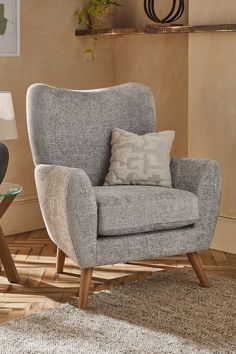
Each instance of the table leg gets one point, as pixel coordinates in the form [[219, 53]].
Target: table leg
[[5, 255], [5, 203], [7, 261]]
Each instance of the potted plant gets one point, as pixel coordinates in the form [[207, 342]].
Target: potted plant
[[98, 15]]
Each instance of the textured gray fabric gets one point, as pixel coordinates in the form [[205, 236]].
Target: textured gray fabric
[[201, 177], [121, 249], [73, 128], [82, 217], [167, 314], [135, 209], [69, 210], [140, 159]]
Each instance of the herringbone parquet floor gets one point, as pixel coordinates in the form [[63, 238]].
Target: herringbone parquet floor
[[41, 287]]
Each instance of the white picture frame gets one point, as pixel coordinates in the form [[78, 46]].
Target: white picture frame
[[9, 28]]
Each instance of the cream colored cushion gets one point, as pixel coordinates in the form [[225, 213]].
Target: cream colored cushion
[[140, 159]]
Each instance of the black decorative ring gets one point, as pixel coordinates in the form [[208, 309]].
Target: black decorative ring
[[175, 13]]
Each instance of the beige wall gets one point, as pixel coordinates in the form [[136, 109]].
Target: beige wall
[[50, 53], [214, 12], [212, 107], [159, 61]]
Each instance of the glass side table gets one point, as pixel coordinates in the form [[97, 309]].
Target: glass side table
[[8, 192]]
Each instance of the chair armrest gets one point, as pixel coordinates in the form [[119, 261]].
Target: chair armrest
[[69, 210], [201, 177]]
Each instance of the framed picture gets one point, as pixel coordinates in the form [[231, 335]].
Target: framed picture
[[9, 28]]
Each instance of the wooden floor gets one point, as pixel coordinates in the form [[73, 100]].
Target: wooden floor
[[41, 287]]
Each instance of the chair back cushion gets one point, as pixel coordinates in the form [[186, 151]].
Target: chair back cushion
[[73, 127]]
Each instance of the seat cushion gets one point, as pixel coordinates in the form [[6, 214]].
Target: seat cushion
[[126, 210]]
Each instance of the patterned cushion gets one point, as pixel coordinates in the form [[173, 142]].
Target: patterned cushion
[[140, 159], [124, 210]]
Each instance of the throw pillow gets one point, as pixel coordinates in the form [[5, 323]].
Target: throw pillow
[[140, 159]]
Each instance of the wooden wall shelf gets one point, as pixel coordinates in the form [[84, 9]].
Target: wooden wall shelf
[[155, 29], [119, 31], [191, 29]]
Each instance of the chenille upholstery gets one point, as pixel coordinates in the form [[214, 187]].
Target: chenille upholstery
[[70, 133], [124, 210]]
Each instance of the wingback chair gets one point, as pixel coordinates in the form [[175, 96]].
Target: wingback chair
[[70, 134]]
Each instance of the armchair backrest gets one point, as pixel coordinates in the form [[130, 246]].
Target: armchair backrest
[[73, 127]]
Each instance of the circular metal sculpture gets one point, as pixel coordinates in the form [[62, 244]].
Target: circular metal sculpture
[[175, 13]]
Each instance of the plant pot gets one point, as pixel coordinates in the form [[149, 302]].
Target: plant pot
[[107, 21]]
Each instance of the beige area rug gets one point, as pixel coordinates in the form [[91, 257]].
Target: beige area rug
[[169, 313]]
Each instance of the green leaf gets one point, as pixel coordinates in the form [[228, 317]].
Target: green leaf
[[88, 50]]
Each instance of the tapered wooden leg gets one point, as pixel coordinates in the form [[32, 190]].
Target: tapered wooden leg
[[195, 261], [7, 261], [60, 260], [85, 281]]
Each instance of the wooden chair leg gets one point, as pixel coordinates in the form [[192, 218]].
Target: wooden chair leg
[[85, 281], [195, 261], [60, 261]]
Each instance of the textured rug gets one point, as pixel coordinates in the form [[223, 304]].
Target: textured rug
[[169, 313]]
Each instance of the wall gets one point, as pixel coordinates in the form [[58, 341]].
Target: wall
[[50, 53], [212, 110], [161, 62]]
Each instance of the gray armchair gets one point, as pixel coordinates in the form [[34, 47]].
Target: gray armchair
[[92, 224]]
